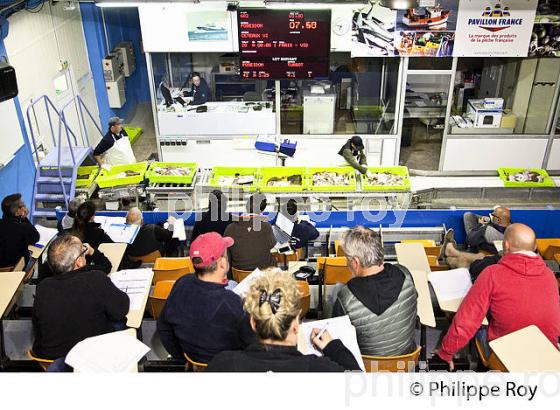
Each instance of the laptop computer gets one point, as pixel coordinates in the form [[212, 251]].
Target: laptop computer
[[282, 229]]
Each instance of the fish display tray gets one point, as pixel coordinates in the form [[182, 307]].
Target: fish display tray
[[90, 171], [504, 172], [218, 172], [110, 178], [401, 171], [267, 173], [153, 177], [351, 187]]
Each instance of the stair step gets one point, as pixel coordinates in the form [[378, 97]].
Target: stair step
[[45, 213], [54, 197], [53, 180]]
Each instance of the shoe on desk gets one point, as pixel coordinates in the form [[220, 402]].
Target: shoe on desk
[[449, 237]]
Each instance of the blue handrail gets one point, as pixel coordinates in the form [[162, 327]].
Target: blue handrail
[[81, 107]]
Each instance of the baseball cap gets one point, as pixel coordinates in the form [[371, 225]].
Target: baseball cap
[[208, 248], [115, 121], [357, 141]]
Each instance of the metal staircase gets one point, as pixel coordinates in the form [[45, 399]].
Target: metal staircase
[[55, 176]]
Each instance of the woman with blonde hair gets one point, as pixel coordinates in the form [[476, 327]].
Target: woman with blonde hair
[[273, 303]]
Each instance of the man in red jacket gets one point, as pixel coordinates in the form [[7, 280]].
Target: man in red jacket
[[516, 292]]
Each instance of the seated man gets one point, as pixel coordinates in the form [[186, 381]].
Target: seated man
[[150, 237], [74, 304], [518, 291], [303, 231], [380, 298], [253, 237], [482, 231], [200, 91], [16, 232], [216, 218], [201, 317]]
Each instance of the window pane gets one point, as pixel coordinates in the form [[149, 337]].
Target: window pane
[[358, 97]]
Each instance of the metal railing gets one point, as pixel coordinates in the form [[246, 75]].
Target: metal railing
[[81, 107]]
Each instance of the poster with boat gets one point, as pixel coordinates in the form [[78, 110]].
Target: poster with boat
[[441, 16], [373, 29], [494, 28], [208, 26], [545, 39]]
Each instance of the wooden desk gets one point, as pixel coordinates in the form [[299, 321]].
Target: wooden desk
[[413, 256], [527, 350], [36, 252], [453, 306], [114, 252], [9, 285], [424, 302]]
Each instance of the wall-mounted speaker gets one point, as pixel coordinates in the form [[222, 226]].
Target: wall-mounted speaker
[[8, 82]]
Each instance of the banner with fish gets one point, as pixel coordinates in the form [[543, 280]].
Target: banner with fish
[[498, 28], [373, 29], [545, 39]]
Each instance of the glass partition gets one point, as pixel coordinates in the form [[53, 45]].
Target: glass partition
[[504, 95], [358, 97]]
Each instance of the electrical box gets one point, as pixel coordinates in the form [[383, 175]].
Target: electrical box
[[116, 92], [113, 66], [128, 59]]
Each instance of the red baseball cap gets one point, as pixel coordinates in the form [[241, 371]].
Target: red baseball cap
[[208, 248]]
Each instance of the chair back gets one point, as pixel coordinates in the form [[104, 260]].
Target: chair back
[[171, 268], [548, 254], [491, 362], [294, 257], [424, 242], [303, 287], [149, 258], [404, 363], [338, 251], [240, 274], [156, 301], [44, 363], [193, 366], [543, 245], [335, 269]]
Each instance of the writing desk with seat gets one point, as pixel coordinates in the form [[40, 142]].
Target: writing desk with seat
[[10, 283]]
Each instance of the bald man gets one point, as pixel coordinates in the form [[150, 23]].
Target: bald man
[[517, 292], [482, 231]]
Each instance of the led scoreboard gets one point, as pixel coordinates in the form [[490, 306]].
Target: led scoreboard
[[283, 44]]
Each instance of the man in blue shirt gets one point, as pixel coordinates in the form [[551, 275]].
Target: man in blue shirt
[[200, 91], [201, 317]]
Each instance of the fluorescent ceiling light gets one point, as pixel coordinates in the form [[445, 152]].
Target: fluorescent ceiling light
[[109, 4]]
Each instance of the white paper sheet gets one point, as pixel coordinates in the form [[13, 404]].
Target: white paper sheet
[[45, 235], [106, 221], [339, 328], [243, 287], [135, 283], [451, 284], [122, 233], [115, 352], [179, 230]]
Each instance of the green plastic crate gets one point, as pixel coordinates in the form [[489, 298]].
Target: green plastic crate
[[133, 134], [90, 171], [270, 172], [504, 172], [331, 188], [167, 179], [218, 172], [110, 178], [402, 171]]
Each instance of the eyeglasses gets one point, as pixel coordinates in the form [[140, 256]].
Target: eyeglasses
[[84, 250]]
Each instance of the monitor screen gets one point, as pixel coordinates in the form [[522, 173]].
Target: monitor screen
[[284, 44]]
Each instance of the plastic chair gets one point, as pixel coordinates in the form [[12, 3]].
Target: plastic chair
[[491, 362], [157, 299], [548, 247], [335, 270], [338, 251], [171, 268], [425, 242], [193, 366], [149, 258], [404, 363], [240, 274], [303, 287], [44, 363], [434, 264]]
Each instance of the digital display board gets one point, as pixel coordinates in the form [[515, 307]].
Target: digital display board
[[284, 44]]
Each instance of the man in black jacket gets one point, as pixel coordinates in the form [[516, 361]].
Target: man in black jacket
[[150, 237], [16, 232], [201, 317], [482, 231], [75, 303]]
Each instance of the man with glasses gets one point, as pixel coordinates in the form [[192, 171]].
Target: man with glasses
[[482, 231], [75, 303], [16, 231]]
